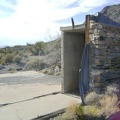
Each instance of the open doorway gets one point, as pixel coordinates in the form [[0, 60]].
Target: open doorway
[[72, 45]]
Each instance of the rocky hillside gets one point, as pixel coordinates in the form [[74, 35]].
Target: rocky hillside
[[112, 12], [39, 56]]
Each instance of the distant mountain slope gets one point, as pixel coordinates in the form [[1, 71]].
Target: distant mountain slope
[[112, 12], [31, 57]]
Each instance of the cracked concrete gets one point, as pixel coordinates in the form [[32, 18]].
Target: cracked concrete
[[37, 107], [30, 100]]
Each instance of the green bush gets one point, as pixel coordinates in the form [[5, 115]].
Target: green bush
[[36, 49], [36, 64], [15, 52], [74, 112], [77, 112], [8, 58], [2, 50], [2, 62], [1, 55], [17, 59], [10, 71], [91, 111]]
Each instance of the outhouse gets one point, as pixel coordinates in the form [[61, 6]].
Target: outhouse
[[90, 54]]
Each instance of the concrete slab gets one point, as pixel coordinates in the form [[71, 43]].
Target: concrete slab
[[37, 107], [27, 95], [26, 85], [15, 93]]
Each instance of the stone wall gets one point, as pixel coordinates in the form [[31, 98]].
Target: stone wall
[[104, 55]]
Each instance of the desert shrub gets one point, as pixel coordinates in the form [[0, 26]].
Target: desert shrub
[[91, 111], [1, 55], [2, 50], [99, 106], [36, 64], [109, 104], [36, 49], [2, 58], [8, 50], [33, 51], [75, 109], [92, 98], [15, 52], [77, 112], [8, 58], [106, 103], [86, 117], [10, 71], [39, 46], [17, 59], [2, 62], [73, 112]]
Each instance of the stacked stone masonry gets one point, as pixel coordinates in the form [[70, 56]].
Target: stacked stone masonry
[[104, 55]]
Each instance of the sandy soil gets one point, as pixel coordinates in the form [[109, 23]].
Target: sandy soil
[[23, 73]]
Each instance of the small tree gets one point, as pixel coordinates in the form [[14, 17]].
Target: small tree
[[39, 46]]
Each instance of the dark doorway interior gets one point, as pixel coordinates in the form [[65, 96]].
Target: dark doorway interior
[[72, 49]]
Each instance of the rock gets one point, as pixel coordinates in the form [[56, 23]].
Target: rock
[[1, 67], [44, 71], [50, 72], [18, 69], [56, 70], [10, 69]]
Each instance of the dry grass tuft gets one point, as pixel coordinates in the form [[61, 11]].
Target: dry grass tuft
[[74, 110], [99, 106], [111, 89], [92, 98], [91, 111], [109, 104]]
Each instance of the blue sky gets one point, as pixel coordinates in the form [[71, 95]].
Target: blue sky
[[28, 21]]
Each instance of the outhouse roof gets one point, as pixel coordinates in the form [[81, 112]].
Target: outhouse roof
[[77, 28]]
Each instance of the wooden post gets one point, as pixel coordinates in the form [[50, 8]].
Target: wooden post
[[87, 28]]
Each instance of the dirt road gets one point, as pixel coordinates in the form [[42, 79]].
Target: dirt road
[[28, 77]]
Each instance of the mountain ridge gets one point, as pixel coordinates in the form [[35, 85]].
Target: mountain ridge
[[112, 11]]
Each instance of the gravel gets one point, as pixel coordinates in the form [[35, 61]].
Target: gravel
[[28, 77]]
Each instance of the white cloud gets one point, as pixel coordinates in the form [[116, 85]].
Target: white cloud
[[33, 17]]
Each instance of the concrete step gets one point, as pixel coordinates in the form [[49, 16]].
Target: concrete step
[[36, 108]]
